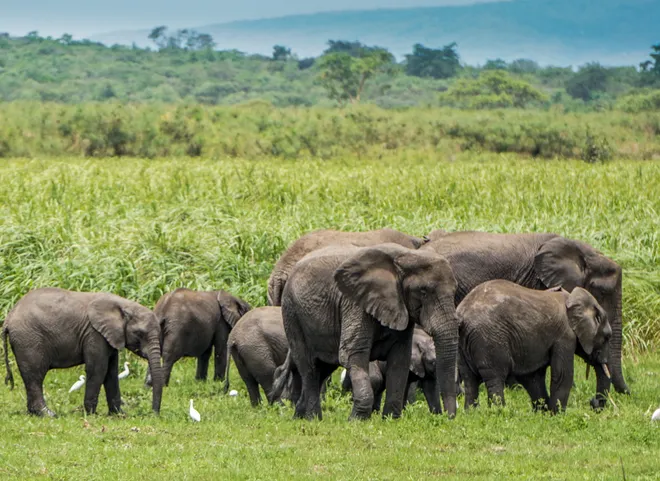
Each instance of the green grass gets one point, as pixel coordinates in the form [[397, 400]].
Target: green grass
[[140, 228]]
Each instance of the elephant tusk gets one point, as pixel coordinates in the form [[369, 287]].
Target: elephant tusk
[[586, 374], [607, 371]]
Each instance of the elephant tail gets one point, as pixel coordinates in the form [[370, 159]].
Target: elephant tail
[[230, 348], [275, 287], [281, 377], [9, 378]]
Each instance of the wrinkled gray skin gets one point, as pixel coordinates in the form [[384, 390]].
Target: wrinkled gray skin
[[323, 238], [193, 323], [53, 328], [258, 345], [347, 306], [508, 329], [539, 261], [422, 372]]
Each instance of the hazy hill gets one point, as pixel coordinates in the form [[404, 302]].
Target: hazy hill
[[559, 32]]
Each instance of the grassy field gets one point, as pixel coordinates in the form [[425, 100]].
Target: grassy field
[[140, 228]]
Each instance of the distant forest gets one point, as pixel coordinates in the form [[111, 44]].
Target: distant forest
[[184, 67]]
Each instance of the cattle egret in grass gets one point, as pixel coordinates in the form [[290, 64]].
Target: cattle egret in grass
[[233, 392], [343, 376], [656, 415], [194, 415], [125, 372], [78, 384]]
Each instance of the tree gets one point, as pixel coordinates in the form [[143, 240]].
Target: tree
[[281, 53], [524, 66], [492, 89], [590, 79], [652, 66], [66, 39], [436, 63], [344, 75], [497, 64], [354, 49], [184, 39], [157, 35]]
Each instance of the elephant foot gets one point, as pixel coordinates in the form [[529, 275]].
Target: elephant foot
[[598, 402], [44, 412]]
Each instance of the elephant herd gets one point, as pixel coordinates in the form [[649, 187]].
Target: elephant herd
[[393, 309]]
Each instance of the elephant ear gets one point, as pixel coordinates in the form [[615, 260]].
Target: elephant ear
[[232, 308], [108, 317], [559, 262], [581, 311], [371, 280]]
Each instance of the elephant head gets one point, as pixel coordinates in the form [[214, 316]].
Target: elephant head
[[124, 323], [397, 286], [232, 308], [569, 264], [590, 324], [422, 359]]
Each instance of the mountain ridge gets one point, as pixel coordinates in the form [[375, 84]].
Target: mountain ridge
[[558, 32]]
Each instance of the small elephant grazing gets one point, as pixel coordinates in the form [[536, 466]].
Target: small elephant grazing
[[54, 328], [509, 329], [258, 345], [347, 306], [327, 237], [193, 323]]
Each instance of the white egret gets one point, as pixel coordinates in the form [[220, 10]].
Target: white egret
[[233, 392], [78, 384], [656, 415], [194, 415], [125, 372]]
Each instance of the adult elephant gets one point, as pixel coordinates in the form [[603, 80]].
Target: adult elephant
[[348, 305], [539, 261], [194, 324], [323, 238], [54, 328]]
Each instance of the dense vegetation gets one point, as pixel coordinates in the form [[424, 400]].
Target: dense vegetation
[[185, 68], [259, 130], [140, 228]]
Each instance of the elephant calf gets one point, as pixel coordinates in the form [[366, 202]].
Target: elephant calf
[[506, 329], [193, 323], [258, 345], [422, 371], [54, 328]]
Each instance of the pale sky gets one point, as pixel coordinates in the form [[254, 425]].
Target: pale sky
[[83, 18]]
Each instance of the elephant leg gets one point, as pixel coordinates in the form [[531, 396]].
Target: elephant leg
[[168, 364], [472, 382], [33, 373], [495, 388], [249, 380], [203, 364], [220, 352], [428, 387], [534, 384], [96, 370], [363, 394], [147, 378], [561, 378], [411, 393], [603, 384], [398, 368], [111, 384]]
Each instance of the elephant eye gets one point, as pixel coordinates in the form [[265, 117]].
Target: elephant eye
[[422, 291]]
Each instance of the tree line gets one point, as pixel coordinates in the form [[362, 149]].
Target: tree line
[[184, 65]]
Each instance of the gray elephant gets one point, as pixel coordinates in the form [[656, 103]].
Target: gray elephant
[[53, 328], [258, 345], [539, 261], [193, 324], [509, 329], [348, 305], [422, 372], [323, 238]]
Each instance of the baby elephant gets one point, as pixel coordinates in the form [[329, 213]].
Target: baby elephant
[[258, 345], [194, 323], [422, 372], [509, 329], [53, 328]]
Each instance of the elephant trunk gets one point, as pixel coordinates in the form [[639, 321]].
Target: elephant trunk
[[445, 339], [157, 376], [613, 308]]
